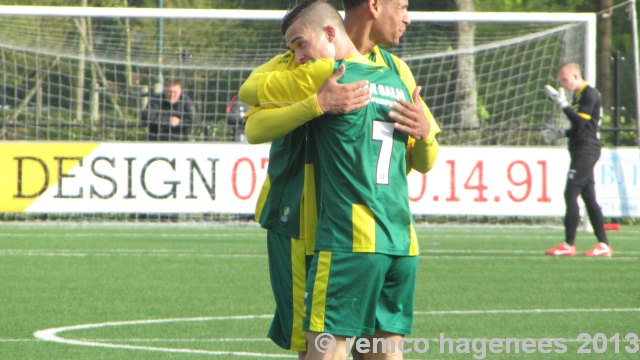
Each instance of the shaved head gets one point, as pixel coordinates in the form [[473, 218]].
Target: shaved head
[[570, 77], [571, 68], [314, 15]]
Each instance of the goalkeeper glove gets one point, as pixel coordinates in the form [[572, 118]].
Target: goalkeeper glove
[[556, 96], [551, 134]]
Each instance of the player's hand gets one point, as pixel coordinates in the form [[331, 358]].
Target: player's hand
[[174, 121], [409, 118], [556, 96], [337, 98]]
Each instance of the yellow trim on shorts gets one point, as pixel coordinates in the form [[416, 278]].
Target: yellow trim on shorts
[[262, 197], [299, 273], [320, 284], [413, 246], [309, 206], [364, 229]]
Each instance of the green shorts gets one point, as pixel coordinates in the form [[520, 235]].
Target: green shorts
[[351, 294], [288, 266]]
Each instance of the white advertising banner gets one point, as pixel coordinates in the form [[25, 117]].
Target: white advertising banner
[[131, 177], [521, 181], [40, 177]]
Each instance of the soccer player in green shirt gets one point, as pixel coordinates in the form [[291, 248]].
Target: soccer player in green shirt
[[290, 230], [368, 22], [361, 176]]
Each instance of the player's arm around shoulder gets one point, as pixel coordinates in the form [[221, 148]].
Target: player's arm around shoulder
[[272, 120], [295, 83], [248, 92], [264, 125], [267, 122]]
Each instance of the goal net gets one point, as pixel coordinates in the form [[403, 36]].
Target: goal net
[[483, 75], [86, 74]]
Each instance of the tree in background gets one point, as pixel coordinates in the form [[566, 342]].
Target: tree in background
[[604, 80], [466, 80]]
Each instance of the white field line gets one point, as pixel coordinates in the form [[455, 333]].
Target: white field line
[[429, 237], [125, 224], [132, 235], [125, 253], [439, 254], [247, 340], [52, 334], [496, 251], [524, 258], [426, 238], [524, 311]]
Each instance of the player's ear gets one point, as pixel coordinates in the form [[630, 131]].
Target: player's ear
[[374, 7], [330, 31]]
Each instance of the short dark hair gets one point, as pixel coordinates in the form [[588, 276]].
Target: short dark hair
[[292, 15], [350, 4], [172, 82]]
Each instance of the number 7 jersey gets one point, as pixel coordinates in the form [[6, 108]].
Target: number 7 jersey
[[360, 171]]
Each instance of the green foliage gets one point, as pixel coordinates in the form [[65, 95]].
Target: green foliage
[[535, 5], [608, 132], [42, 2]]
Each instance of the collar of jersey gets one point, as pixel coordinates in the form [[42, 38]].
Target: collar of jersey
[[374, 54], [359, 58], [579, 92]]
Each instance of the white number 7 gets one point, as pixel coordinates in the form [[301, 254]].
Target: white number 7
[[383, 132]]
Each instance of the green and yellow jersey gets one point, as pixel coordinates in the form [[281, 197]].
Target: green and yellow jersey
[[361, 170], [360, 158], [382, 57], [281, 118], [421, 155], [267, 125]]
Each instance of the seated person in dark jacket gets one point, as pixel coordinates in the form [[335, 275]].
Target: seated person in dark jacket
[[171, 116]]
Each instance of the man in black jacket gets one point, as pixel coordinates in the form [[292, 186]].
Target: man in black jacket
[[584, 150], [171, 116]]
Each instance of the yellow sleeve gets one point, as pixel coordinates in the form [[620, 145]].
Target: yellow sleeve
[[422, 154], [285, 106], [264, 125], [248, 92], [281, 88]]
